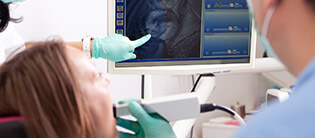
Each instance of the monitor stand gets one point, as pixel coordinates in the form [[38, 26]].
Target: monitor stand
[[204, 89]]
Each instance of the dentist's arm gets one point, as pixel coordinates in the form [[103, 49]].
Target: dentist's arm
[[114, 47]]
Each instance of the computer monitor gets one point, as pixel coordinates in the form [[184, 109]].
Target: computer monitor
[[188, 36]]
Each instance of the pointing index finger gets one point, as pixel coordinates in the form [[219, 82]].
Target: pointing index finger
[[141, 41]]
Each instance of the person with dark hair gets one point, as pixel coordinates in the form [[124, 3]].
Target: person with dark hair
[[5, 14], [286, 29], [113, 47]]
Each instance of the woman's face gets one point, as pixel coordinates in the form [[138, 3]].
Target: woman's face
[[95, 89]]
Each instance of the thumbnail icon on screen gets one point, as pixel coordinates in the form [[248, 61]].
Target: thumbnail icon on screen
[[230, 28], [120, 8], [219, 5], [119, 31], [120, 22], [231, 5], [229, 51], [120, 15]]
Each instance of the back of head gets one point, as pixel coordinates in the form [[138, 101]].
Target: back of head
[[38, 84]]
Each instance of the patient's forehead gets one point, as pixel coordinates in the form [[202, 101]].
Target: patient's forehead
[[80, 62], [71, 51]]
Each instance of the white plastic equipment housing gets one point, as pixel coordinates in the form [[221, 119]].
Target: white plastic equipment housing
[[171, 108], [203, 90]]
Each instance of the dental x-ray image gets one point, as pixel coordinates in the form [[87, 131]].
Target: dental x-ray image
[[175, 26]]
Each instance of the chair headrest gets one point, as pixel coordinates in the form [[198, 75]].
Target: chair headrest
[[10, 119], [12, 127]]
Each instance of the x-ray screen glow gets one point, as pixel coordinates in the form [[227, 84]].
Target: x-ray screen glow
[[186, 32]]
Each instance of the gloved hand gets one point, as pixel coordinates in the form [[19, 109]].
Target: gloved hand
[[9, 1], [117, 47], [146, 126]]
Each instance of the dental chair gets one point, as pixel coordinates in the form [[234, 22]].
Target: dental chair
[[12, 127]]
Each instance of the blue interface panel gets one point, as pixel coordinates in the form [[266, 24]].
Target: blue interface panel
[[226, 29], [198, 31]]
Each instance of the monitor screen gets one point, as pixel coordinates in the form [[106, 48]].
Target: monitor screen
[[186, 32]]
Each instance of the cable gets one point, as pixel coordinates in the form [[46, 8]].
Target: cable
[[194, 88], [142, 86], [239, 119], [207, 107], [193, 80], [192, 131], [233, 113], [212, 107], [265, 54], [200, 76], [114, 110], [225, 109]]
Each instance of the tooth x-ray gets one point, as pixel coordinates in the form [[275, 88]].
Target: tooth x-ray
[[175, 26]]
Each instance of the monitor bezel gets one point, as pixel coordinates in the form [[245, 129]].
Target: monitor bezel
[[177, 69]]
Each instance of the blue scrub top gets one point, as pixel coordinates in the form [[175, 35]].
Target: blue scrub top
[[294, 118]]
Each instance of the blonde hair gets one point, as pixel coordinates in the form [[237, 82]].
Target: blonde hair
[[39, 85]]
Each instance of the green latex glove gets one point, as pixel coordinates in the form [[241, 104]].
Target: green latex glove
[[9, 1], [146, 126], [116, 47]]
